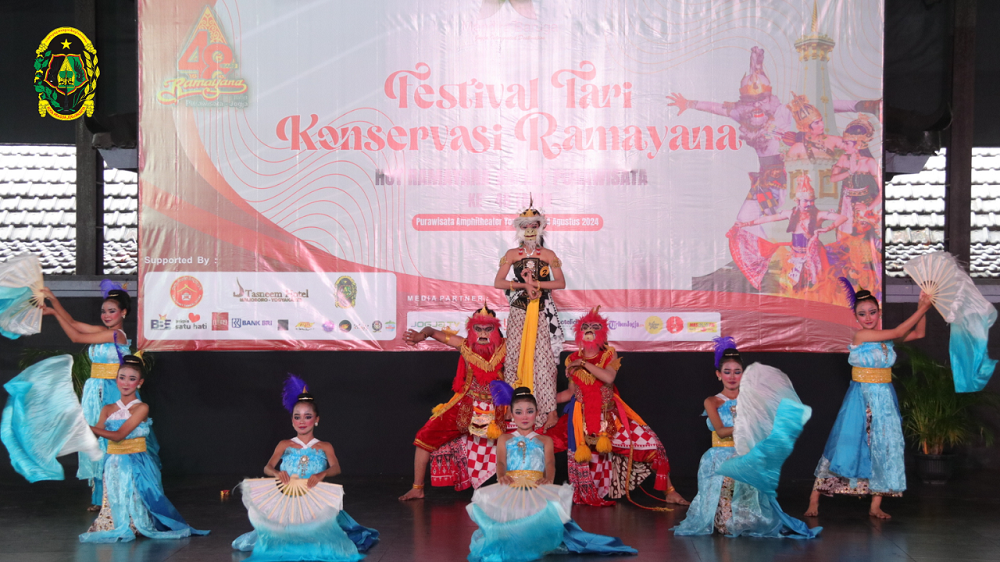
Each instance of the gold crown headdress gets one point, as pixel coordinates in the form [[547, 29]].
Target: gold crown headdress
[[530, 215], [531, 211], [804, 112], [861, 131], [754, 85]]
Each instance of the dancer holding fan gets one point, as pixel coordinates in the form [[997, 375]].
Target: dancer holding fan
[[108, 344], [864, 453], [524, 515], [296, 516], [738, 476]]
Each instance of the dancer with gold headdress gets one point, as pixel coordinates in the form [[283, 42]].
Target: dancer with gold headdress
[[805, 224], [534, 335], [612, 450], [861, 202], [464, 427], [811, 142]]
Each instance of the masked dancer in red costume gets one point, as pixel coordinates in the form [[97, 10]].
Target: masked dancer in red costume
[[460, 438], [611, 450], [534, 334]]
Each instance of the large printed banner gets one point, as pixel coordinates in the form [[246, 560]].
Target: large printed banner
[[326, 174]]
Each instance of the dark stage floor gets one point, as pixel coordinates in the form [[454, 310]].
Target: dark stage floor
[[958, 522]]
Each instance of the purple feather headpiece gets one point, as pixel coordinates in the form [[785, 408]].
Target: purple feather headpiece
[[294, 386], [852, 297], [721, 345], [502, 393], [108, 285]]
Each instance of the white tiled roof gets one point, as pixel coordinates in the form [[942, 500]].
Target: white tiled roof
[[914, 214], [38, 209]]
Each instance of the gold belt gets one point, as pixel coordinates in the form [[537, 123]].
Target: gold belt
[[104, 370], [525, 478], [868, 374], [722, 441], [127, 446]]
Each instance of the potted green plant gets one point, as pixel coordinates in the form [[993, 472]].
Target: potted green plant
[[936, 417]]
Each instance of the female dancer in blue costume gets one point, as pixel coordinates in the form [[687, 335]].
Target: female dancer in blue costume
[[524, 516], [133, 488], [339, 538], [108, 345], [864, 453], [736, 489]]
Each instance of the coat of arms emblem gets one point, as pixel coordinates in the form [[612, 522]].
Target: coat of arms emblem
[[66, 74]]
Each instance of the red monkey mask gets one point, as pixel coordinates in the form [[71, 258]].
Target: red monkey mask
[[484, 335], [591, 332]]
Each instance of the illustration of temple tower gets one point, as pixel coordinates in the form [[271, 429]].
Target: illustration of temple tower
[[813, 100], [814, 54]]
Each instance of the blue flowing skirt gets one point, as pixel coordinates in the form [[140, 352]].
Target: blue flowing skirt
[[339, 539], [532, 537], [854, 453], [135, 494]]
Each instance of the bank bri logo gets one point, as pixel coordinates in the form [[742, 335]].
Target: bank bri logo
[[238, 323]]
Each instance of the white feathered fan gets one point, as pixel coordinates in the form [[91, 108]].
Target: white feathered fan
[[24, 317], [939, 275], [294, 503]]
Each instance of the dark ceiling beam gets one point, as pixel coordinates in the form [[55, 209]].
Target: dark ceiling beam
[[958, 171], [89, 171]]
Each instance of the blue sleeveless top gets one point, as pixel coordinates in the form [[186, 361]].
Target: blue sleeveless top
[[524, 452], [304, 462], [725, 413], [872, 355]]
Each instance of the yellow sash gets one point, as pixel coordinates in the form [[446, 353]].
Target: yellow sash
[[127, 446], [722, 441], [104, 370], [525, 478], [867, 374], [526, 360]]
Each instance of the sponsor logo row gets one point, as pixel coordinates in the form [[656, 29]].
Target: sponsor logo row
[[221, 321]]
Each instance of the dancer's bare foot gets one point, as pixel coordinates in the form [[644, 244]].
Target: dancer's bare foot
[[877, 512], [876, 509], [94, 508], [413, 494], [675, 498], [813, 510]]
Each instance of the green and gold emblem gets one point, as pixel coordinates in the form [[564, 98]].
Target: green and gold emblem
[[66, 74]]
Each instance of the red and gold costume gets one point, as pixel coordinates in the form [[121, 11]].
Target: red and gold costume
[[612, 450], [461, 433]]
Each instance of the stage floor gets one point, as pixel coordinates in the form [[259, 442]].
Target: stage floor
[[955, 523]]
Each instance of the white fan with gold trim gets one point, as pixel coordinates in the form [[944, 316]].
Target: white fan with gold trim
[[269, 500]]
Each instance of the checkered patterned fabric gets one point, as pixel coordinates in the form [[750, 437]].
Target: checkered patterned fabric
[[482, 455], [643, 438], [601, 472]]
